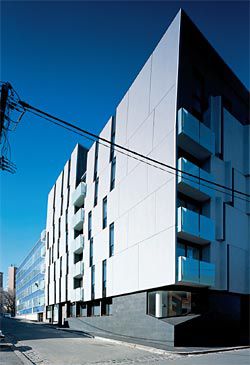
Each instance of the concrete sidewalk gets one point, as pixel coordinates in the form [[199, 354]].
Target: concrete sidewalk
[[156, 347], [8, 355]]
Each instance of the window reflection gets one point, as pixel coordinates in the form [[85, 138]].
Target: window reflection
[[172, 303]]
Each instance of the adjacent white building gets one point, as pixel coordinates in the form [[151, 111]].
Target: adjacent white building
[[131, 243]]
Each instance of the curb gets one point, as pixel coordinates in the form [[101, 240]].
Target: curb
[[161, 351], [19, 354], [80, 333], [137, 346]]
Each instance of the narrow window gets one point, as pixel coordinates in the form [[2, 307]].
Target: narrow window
[[47, 240], [112, 148], [60, 267], [68, 180], [104, 212], [112, 177], [89, 225], [54, 197], [96, 191], [62, 183], [91, 252], [104, 277], [66, 220], [54, 291], [67, 241], [67, 264], [96, 160], [66, 287], [58, 248], [60, 284], [93, 282], [68, 196], [111, 240], [61, 205], [62, 193], [48, 274], [55, 271], [59, 227], [53, 233]]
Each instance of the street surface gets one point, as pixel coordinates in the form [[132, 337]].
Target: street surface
[[44, 345]]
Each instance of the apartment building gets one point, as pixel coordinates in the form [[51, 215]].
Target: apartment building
[[12, 279], [30, 283], [151, 252], [64, 242]]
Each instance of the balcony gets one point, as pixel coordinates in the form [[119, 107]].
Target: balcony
[[77, 219], [42, 268], [78, 244], [43, 251], [79, 294], [78, 270], [195, 272], [194, 137], [43, 235], [79, 194], [194, 227], [41, 285], [191, 186]]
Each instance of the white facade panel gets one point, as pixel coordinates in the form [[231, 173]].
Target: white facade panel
[[110, 276], [121, 167], [121, 233], [90, 166], [121, 121], [97, 219], [104, 184], [87, 283], [113, 205], [104, 150], [156, 260], [98, 280], [139, 98], [165, 117], [141, 141], [165, 64], [142, 222], [165, 204], [125, 271], [133, 188], [101, 246]]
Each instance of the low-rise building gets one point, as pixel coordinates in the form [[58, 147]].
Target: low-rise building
[[30, 283]]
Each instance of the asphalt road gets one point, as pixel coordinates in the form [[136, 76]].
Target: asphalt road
[[44, 345]]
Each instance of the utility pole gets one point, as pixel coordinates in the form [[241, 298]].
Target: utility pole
[[3, 103]]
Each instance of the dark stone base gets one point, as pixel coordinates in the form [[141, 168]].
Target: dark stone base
[[129, 322]]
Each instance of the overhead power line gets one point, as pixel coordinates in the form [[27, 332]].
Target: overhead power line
[[120, 148], [134, 157]]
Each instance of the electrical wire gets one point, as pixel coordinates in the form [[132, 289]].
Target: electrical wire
[[118, 148], [139, 159]]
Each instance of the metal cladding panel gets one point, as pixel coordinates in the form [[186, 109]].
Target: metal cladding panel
[[165, 63], [139, 98]]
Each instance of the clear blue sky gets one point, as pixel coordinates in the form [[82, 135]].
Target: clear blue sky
[[76, 60]]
